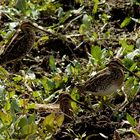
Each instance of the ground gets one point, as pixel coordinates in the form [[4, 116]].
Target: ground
[[88, 35]]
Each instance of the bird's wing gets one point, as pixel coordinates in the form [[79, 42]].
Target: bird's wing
[[99, 79], [17, 36], [98, 74]]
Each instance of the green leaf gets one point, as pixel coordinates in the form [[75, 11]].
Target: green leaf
[[95, 35], [125, 22], [96, 52], [31, 118], [31, 106], [65, 78], [48, 122], [127, 48], [14, 106], [28, 129], [86, 24], [3, 73], [65, 17], [131, 120], [43, 39], [60, 119], [76, 67], [52, 63], [23, 121], [128, 62], [17, 78], [21, 5], [82, 29], [6, 118], [95, 7], [36, 94], [51, 84], [87, 20]]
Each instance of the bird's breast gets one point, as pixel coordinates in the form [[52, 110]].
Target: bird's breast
[[101, 92]]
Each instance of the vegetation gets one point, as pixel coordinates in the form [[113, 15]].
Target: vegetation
[[83, 35]]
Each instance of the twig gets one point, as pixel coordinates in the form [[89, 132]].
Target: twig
[[72, 21]]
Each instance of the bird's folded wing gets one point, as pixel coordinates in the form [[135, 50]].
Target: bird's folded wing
[[97, 75]]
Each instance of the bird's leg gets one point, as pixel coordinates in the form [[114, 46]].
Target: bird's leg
[[122, 106], [106, 101], [68, 118]]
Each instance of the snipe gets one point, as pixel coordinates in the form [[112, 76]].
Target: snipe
[[63, 105], [106, 81], [20, 43]]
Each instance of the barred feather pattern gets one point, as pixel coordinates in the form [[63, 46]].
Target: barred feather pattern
[[20, 44], [105, 82]]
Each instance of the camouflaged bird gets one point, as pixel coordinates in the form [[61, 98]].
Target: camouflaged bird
[[63, 105], [20, 44], [106, 81]]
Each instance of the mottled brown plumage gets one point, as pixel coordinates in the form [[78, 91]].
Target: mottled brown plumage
[[65, 106], [106, 81], [20, 43]]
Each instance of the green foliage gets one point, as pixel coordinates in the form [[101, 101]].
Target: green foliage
[[126, 21], [21, 5], [85, 27], [52, 63], [49, 124], [127, 48], [73, 68], [135, 2], [3, 73], [96, 53], [131, 120], [40, 81], [133, 123], [95, 7]]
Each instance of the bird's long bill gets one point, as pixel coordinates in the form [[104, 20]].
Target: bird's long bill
[[42, 29], [130, 71], [81, 104]]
